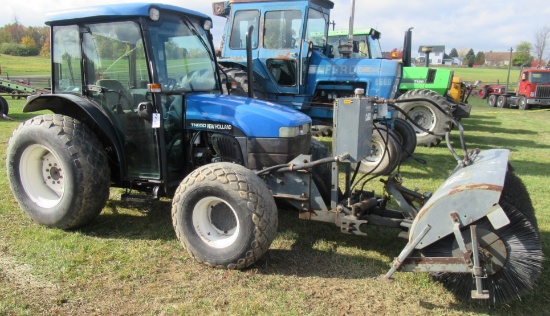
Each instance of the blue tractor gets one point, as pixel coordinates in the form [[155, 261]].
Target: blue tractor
[[292, 64], [137, 104]]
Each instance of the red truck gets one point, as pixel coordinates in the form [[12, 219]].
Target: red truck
[[533, 90]]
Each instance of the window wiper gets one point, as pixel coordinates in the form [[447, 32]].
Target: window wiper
[[196, 33]]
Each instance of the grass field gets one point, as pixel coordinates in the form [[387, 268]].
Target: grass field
[[24, 66], [128, 260], [487, 75]]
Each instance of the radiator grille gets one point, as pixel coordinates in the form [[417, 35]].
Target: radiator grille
[[431, 75], [543, 92]]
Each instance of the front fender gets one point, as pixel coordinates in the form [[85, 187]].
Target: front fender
[[472, 192], [85, 111]]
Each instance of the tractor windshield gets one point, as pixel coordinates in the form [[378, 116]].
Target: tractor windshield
[[183, 58], [317, 26]]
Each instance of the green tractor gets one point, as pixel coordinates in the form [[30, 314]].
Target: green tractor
[[422, 83]]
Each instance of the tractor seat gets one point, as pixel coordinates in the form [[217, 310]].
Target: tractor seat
[[117, 94]]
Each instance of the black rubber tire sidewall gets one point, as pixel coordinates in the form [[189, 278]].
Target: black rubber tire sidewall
[[442, 121], [388, 162], [85, 170], [241, 77], [251, 201], [502, 102], [4, 107], [407, 137], [492, 100], [522, 103]]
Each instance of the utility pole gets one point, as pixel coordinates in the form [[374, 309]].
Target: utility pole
[[509, 65]]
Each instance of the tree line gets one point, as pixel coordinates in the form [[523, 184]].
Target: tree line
[[521, 56], [19, 40]]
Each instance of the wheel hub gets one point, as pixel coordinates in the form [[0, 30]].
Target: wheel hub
[[423, 117], [52, 173], [41, 175], [375, 153]]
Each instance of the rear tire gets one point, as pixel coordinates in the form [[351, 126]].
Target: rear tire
[[58, 171], [224, 216], [502, 102], [241, 77], [492, 100], [426, 115], [483, 93], [4, 108]]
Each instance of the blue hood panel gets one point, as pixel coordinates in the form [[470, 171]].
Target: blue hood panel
[[255, 118], [379, 74]]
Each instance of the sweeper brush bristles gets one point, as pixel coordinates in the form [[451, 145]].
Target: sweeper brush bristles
[[524, 256]]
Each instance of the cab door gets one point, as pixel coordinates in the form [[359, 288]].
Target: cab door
[[282, 48]]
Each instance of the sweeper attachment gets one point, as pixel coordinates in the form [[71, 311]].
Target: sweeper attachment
[[477, 233]]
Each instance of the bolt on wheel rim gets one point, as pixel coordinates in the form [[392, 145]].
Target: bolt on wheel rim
[[42, 176], [215, 222], [423, 117]]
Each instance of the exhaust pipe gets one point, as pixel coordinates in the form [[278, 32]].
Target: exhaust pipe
[[249, 71]]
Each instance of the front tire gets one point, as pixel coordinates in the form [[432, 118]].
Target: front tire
[[224, 216], [522, 103], [58, 171]]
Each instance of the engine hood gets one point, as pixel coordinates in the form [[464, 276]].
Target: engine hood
[[255, 118], [379, 75]]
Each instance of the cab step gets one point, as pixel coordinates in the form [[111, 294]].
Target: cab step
[[138, 198]]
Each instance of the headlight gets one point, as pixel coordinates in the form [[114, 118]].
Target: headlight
[[207, 25], [287, 132], [154, 14]]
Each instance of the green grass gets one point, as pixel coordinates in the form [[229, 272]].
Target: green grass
[[487, 75], [24, 66], [128, 261]]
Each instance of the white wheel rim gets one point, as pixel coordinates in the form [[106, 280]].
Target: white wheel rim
[[376, 152], [208, 227], [424, 117], [42, 176]]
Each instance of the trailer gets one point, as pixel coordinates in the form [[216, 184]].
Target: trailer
[[18, 89]]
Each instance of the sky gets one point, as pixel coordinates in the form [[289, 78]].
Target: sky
[[482, 26]]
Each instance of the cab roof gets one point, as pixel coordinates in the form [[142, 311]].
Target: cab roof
[[114, 12], [323, 3]]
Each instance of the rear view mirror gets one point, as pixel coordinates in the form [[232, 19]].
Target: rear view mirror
[[145, 110]]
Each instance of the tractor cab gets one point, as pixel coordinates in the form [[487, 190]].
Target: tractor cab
[[137, 70], [146, 81], [366, 42], [292, 59], [283, 33]]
